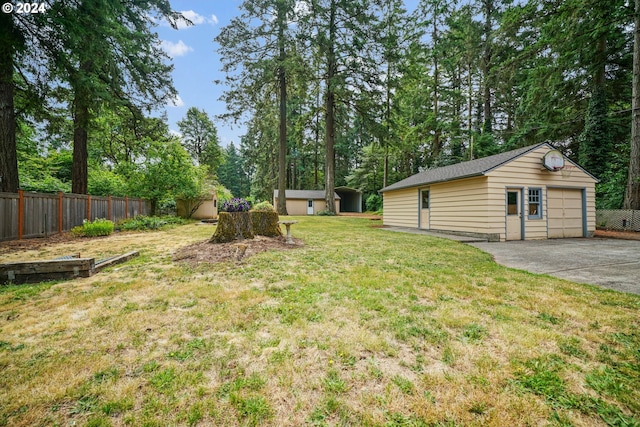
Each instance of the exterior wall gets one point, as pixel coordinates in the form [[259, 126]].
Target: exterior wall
[[460, 205], [400, 207], [207, 210], [527, 172], [299, 206], [478, 204]]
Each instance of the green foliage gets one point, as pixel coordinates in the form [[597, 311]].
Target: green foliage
[[98, 227], [167, 173], [232, 172], [373, 203], [263, 207], [142, 222], [200, 138], [103, 182], [595, 140], [223, 194], [326, 212]]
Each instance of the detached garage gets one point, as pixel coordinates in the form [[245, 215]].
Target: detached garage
[[530, 193], [305, 202]]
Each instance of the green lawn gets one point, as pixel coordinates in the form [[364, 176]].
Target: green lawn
[[360, 327]]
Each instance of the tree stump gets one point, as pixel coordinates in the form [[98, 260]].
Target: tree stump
[[265, 223], [232, 226]]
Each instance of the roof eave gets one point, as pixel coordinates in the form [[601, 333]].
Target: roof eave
[[422, 184]]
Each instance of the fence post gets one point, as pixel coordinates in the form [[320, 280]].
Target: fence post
[[140, 207], [20, 213], [109, 207], [126, 207], [88, 207], [60, 222]]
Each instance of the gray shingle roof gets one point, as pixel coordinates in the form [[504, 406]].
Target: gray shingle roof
[[462, 170], [304, 194]]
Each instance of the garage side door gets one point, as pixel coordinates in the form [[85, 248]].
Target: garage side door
[[564, 213]]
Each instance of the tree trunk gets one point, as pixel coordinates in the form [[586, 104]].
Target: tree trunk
[[435, 147], [8, 156], [79, 171], [487, 126], [632, 196], [282, 81], [330, 115], [232, 226]]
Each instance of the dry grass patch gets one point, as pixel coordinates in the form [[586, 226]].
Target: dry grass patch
[[358, 326]]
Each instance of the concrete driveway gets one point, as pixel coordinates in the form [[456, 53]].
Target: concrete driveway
[[610, 263]]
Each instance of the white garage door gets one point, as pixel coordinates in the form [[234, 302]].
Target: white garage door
[[564, 213]]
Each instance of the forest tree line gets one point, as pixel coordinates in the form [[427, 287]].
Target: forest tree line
[[360, 93], [364, 93]]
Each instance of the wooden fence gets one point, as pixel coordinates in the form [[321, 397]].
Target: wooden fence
[[25, 215]]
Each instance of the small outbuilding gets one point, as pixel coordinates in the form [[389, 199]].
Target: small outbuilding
[[203, 208], [350, 199], [530, 193], [305, 202]]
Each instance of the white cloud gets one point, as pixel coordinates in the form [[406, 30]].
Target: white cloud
[[176, 102], [175, 133], [176, 49], [196, 19]]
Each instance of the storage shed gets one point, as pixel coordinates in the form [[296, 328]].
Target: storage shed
[[305, 202], [203, 208], [530, 193]]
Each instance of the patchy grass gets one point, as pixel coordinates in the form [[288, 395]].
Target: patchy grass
[[359, 326]]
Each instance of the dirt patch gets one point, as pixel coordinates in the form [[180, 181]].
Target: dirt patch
[[209, 253], [34, 244], [611, 234]]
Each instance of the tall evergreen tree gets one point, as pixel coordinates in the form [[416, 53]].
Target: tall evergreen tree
[[200, 138], [632, 194], [255, 50]]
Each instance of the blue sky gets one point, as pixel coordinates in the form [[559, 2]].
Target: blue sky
[[197, 64]]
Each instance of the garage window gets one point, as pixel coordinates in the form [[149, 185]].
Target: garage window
[[535, 203]]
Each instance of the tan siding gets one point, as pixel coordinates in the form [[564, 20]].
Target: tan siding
[[400, 208], [527, 171], [478, 204], [299, 206], [459, 205]]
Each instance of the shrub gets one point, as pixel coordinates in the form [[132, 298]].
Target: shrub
[[326, 212], [99, 227], [263, 207], [373, 203], [235, 205], [142, 222]]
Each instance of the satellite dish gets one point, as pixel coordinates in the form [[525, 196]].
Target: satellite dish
[[553, 160]]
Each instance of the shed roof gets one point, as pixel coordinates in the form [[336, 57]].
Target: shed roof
[[304, 194], [466, 169]]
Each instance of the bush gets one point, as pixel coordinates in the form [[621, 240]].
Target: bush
[[142, 222], [263, 207], [326, 212], [374, 203], [235, 205], [99, 227]]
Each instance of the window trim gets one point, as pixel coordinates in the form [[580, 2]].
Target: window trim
[[538, 202]]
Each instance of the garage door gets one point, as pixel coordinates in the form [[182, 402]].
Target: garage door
[[564, 213]]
